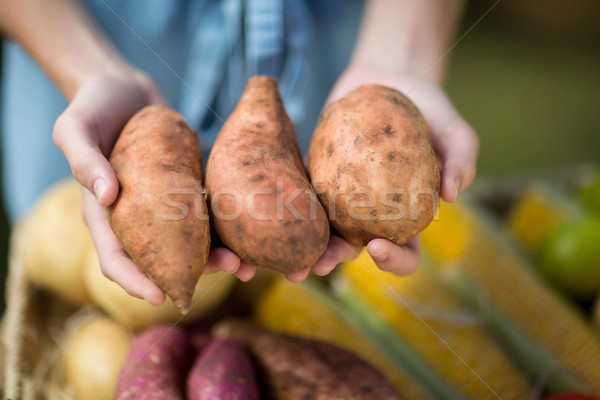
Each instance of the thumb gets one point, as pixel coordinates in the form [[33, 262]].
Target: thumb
[[458, 146], [80, 145]]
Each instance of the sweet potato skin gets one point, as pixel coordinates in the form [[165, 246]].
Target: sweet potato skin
[[298, 368], [373, 166], [223, 371], [157, 365], [261, 201], [160, 215]]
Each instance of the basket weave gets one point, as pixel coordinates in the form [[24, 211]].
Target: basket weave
[[33, 327]]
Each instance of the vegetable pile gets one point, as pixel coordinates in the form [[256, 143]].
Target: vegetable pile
[[239, 361]]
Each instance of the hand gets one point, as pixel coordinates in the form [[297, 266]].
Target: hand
[[454, 141], [86, 132]]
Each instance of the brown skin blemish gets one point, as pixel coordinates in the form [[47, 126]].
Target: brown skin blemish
[[397, 157], [258, 178], [280, 155], [171, 168], [181, 125], [240, 230], [389, 131], [397, 198], [261, 125], [330, 149], [393, 99]]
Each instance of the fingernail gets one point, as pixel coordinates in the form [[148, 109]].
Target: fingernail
[[379, 256], [456, 186], [99, 188]]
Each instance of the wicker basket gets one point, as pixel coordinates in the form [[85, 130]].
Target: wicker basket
[[33, 326]]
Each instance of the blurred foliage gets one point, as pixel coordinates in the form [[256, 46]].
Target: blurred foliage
[[527, 82]]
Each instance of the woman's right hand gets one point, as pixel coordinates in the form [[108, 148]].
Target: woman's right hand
[[86, 132]]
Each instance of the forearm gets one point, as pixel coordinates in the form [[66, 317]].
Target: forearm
[[61, 38], [407, 35]]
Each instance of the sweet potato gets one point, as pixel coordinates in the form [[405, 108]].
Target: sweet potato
[[156, 366], [297, 368], [262, 205], [160, 216], [373, 166], [223, 371]]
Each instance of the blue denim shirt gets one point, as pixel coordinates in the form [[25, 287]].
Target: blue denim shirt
[[200, 53]]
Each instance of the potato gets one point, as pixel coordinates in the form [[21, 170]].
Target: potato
[[373, 167], [53, 241], [160, 216], [211, 291], [292, 367], [262, 205], [93, 357]]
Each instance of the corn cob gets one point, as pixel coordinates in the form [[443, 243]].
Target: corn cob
[[542, 330], [439, 328], [539, 212], [298, 310]]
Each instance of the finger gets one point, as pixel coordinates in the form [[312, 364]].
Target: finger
[[298, 276], [246, 271], [75, 138], [338, 250], [399, 260], [116, 265], [457, 145], [222, 259], [154, 96]]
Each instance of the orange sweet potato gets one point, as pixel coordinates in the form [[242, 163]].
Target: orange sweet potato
[[373, 166], [262, 204], [160, 216]]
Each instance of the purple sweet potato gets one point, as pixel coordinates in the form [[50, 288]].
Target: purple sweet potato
[[292, 367], [223, 371], [157, 365]]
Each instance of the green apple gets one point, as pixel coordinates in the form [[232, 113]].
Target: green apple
[[570, 258]]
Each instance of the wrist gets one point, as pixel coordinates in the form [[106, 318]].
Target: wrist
[[407, 37], [404, 76]]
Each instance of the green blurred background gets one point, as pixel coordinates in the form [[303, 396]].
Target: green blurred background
[[526, 77]]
